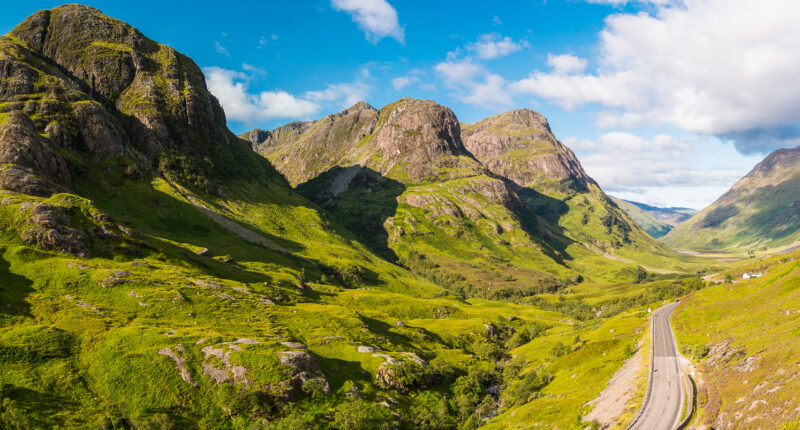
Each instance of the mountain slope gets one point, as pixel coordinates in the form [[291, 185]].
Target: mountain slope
[[551, 183], [158, 273], [761, 211], [746, 361], [643, 218], [401, 178], [509, 206]]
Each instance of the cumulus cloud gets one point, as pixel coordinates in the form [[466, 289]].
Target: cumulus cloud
[[566, 64], [720, 67], [403, 81], [232, 88], [493, 45], [472, 83], [622, 161], [377, 18], [346, 94]]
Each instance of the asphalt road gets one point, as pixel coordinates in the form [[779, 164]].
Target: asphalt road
[[663, 409]]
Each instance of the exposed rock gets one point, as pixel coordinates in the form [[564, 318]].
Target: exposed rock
[[721, 353], [294, 345], [303, 367], [31, 167], [229, 372], [749, 364], [180, 362], [48, 226], [520, 146], [205, 253]]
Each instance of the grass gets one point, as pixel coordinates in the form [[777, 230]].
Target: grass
[[713, 317]]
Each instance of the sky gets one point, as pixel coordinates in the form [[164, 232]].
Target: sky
[[665, 102]]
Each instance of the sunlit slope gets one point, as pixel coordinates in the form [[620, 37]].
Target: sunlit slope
[[760, 212], [742, 337]]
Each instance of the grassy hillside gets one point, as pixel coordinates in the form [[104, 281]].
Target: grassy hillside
[[742, 338], [644, 219], [760, 212]]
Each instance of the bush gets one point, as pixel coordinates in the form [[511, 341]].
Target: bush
[[432, 414], [526, 389], [698, 351], [559, 350], [361, 415], [314, 387]]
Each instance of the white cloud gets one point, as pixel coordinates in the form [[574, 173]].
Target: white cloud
[[624, 2], [230, 87], [624, 162], [403, 81], [566, 64], [221, 49], [472, 83], [497, 21], [493, 45], [721, 67], [253, 69], [377, 18], [232, 90], [344, 95]]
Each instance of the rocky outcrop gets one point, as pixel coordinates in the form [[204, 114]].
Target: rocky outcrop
[[303, 367], [49, 227], [77, 87], [519, 145], [29, 166], [304, 150]]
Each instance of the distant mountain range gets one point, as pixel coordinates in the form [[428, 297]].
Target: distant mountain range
[[656, 221], [760, 212]]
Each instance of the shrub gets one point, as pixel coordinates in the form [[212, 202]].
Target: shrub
[[361, 415], [315, 387]]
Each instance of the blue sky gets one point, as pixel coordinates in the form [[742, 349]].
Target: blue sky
[[664, 102]]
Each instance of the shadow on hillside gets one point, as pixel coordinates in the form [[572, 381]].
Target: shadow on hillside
[[13, 291], [338, 372], [359, 198], [539, 217]]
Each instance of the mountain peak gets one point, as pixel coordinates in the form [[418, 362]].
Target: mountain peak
[[519, 145]]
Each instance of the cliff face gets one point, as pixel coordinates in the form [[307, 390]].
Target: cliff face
[[96, 88], [520, 146]]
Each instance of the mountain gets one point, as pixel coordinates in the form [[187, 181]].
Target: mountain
[[401, 178], [654, 220], [761, 211], [495, 208], [156, 272], [551, 183]]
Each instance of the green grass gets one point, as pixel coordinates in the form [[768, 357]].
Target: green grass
[[714, 317]]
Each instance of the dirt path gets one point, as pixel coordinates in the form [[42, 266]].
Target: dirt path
[[610, 404]]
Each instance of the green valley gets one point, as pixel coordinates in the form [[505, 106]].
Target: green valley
[[389, 268]]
